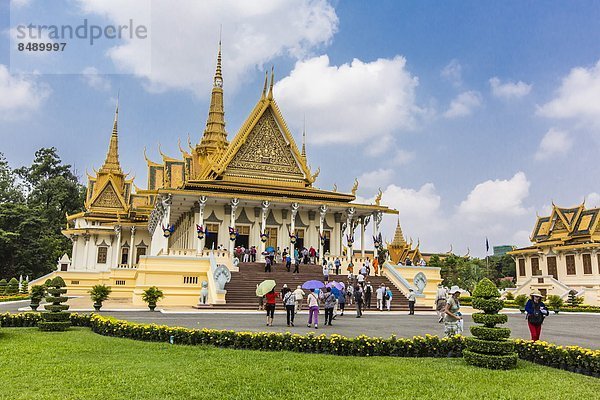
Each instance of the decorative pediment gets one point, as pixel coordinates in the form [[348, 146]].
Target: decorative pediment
[[108, 197], [242, 218]]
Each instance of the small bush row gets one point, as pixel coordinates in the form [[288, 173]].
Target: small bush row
[[571, 358], [14, 298], [468, 301]]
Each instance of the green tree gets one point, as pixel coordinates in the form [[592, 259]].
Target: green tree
[[10, 191]]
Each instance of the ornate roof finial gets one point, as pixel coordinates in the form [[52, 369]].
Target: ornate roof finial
[[378, 198], [270, 96], [218, 81], [264, 92], [304, 139], [111, 163], [355, 187]]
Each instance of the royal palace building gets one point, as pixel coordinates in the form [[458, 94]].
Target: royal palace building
[[564, 255], [255, 190]]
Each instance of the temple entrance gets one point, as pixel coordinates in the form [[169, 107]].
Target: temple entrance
[[272, 239], [211, 239], [243, 238], [327, 245], [299, 239]]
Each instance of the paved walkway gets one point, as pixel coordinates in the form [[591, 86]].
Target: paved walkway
[[564, 329]]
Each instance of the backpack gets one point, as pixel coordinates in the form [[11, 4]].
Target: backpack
[[536, 318]]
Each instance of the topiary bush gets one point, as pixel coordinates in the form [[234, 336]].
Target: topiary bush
[[24, 287], [489, 348], [56, 319], [12, 287], [520, 302], [2, 287], [555, 303]]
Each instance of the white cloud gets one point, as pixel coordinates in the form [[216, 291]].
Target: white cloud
[[521, 238], [351, 103], [20, 3], [463, 104], [376, 179], [184, 36], [19, 95], [554, 143], [497, 198], [578, 97], [509, 90], [91, 76], [453, 72], [592, 200]]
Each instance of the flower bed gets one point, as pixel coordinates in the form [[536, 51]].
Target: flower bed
[[14, 298], [571, 358]]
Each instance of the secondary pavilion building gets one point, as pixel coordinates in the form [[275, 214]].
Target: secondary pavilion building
[[255, 190], [564, 255]]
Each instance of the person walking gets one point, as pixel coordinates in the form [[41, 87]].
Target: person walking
[[376, 266], [342, 301], [380, 293], [253, 253], [440, 302], [298, 297], [313, 308], [368, 294], [453, 317], [338, 264], [325, 272], [270, 306], [412, 298], [350, 293], [358, 300], [296, 266], [268, 262], [388, 299], [289, 301], [536, 312], [288, 262], [329, 299]]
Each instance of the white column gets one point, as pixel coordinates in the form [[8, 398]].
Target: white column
[[263, 226], [117, 257], [131, 248], [350, 214], [200, 221], [234, 204], [362, 237], [165, 221], [86, 251], [322, 214], [295, 207], [74, 251]]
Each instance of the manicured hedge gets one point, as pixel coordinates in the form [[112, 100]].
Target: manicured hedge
[[490, 346], [490, 320], [468, 300], [14, 298], [571, 358], [490, 306], [485, 333], [505, 361]]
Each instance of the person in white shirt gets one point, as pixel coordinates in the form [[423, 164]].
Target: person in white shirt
[[361, 280], [299, 296], [412, 298], [325, 272], [380, 292]]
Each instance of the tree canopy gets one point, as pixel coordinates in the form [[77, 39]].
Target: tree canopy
[[34, 201]]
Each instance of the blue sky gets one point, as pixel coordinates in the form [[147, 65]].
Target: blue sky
[[471, 116]]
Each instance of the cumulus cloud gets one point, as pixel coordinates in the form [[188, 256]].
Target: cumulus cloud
[[452, 72], [92, 77], [554, 143], [509, 90], [578, 97], [592, 200], [500, 197], [463, 104], [376, 179], [19, 95], [183, 36], [350, 103]]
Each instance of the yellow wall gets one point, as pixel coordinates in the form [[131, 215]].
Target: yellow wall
[[431, 273]]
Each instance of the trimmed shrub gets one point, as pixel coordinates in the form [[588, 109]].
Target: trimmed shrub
[[37, 293], [510, 296], [555, 302], [151, 296], [2, 287], [489, 306], [13, 287], [56, 319], [489, 348], [24, 287], [520, 301], [490, 320]]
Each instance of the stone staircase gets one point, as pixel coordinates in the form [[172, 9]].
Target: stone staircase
[[242, 287]]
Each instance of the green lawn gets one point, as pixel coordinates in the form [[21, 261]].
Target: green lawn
[[79, 364]]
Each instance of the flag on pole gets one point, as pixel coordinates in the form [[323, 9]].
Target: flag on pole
[[487, 246]]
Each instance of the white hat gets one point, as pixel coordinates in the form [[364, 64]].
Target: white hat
[[285, 285], [455, 289]]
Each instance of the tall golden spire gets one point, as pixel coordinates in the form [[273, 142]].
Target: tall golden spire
[[111, 163], [398, 236], [270, 95], [304, 140], [215, 136]]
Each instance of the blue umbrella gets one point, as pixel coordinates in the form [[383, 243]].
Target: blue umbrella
[[313, 284], [336, 292], [270, 249], [336, 285]]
